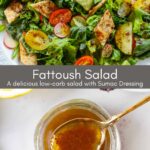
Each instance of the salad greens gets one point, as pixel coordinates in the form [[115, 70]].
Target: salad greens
[[4, 2], [73, 33]]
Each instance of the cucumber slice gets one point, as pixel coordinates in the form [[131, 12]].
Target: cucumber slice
[[86, 4], [78, 21], [124, 38]]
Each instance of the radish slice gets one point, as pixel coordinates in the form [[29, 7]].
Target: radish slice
[[61, 30], [9, 42]]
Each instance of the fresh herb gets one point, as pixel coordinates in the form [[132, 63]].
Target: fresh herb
[[143, 47], [2, 27], [15, 52]]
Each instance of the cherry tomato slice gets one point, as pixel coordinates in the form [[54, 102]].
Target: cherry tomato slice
[[41, 18], [60, 15], [85, 60], [133, 43], [61, 30]]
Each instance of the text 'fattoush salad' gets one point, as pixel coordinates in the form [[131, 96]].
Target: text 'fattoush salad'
[[77, 32]]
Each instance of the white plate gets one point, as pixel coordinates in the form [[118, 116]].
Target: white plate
[[6, 54]]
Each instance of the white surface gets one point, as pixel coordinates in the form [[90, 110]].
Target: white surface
[[19, 117], [6, 54]]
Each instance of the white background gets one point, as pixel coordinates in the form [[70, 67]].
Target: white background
[[19, 117]]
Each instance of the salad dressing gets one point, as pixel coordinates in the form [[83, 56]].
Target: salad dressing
[[80, 130], [77, 136]]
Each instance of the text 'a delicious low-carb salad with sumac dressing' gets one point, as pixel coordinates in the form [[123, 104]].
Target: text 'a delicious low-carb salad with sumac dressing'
[[77, 32]]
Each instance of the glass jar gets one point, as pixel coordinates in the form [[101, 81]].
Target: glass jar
[[77, 108]]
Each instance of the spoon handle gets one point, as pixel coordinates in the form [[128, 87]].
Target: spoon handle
[[116, 118]]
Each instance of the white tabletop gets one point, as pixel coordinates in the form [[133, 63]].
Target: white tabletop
[[19, 117]]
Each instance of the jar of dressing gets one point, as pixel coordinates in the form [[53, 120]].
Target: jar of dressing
[[70, 110]]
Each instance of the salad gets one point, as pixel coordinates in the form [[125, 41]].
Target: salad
[[76, 32]]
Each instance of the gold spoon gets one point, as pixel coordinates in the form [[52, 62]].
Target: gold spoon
[[102, 126]]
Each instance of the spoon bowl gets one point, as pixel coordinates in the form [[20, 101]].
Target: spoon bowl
[[94, 125]]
